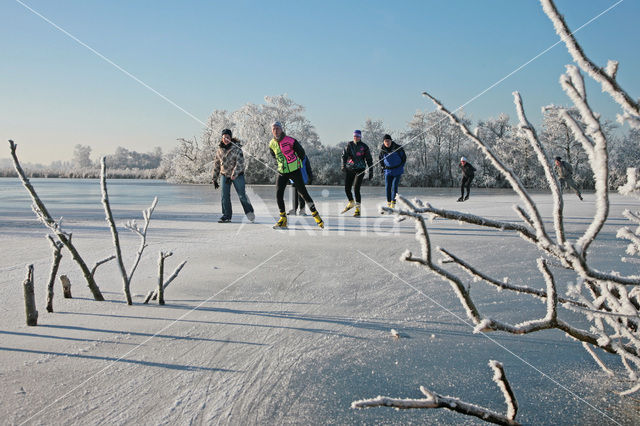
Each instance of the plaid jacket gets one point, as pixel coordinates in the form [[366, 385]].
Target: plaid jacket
[[228, 161]]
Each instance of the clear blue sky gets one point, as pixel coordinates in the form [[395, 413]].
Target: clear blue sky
[[345, 61]]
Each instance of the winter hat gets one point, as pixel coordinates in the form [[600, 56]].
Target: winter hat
[[463, 159], [357, 133], [558, 158], [227, 132], [387, 137], [276, 124]]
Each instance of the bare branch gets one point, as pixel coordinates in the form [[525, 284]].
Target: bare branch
[[434, 400], [56, 247], [543, 159], [114, 230], [45, 217], [101, 262], [511, 177], [500, 378], [606, 78]]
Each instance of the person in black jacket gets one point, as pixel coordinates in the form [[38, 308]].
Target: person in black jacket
[[356, 158], [468, 172]]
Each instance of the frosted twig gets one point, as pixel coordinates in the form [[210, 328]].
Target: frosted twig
[[596, 151], [509, 174], [434, 400], [534, 141], [500, 378], [153, 294], [501, 284], [114, 231], [43, 214], [101, 262], [606, 77], [597, 359], [56, 247], [142, 233]]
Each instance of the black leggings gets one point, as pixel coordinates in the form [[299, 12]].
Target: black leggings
[[298, 182], [353, 178], [466, 183]]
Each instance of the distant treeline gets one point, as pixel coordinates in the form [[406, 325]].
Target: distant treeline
[[92, 173], [123, 164]]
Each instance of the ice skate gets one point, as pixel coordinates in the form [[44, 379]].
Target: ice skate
[[356, 213], [460, 199], [224, 219], [282, 222], [466, 197], [349, 206], [251, 216], [317, 218]]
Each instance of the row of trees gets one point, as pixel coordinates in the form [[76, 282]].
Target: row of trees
[[122, 164], [433, 144]]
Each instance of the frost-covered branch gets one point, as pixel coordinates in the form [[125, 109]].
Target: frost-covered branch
[[132, 226], [114, 231], [43, 215], [434, 400], [595, 144], [606, 77], [101, 262], [56, 247], [142, 233], [632, 187], [500, 379], [153, 294], [503, 285], [543, 159], [509, 174]]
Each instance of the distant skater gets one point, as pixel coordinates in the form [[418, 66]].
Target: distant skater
[[392, 160], [565, 175], [229, 162], [468, 172], [356, 157], [307, 178], [287, 151]]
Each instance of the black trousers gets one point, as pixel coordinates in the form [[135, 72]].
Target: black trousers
[[298, 182], [466, 183], [353, 178]]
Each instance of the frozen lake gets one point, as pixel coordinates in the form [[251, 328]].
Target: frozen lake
[[282, 327]]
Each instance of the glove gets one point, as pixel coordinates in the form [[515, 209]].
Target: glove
[[216, 185]]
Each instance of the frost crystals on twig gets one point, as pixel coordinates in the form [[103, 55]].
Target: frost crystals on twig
[[434, 400], [41, 212]]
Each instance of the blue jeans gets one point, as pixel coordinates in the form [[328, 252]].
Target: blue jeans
[[238, 183], [391, 185]]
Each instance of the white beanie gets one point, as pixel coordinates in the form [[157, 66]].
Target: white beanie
[[463, 159]]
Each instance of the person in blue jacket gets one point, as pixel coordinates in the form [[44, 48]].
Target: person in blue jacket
[[392, 159], [307, 177]]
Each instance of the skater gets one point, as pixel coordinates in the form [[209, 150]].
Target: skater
[[468, 172], [229, 162], [356, 158], [287, 151], [565, 175], [307, 177], [392, 159]]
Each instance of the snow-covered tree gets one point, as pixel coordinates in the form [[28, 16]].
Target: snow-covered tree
[[82, 156], [608, 301], [251, 124]]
